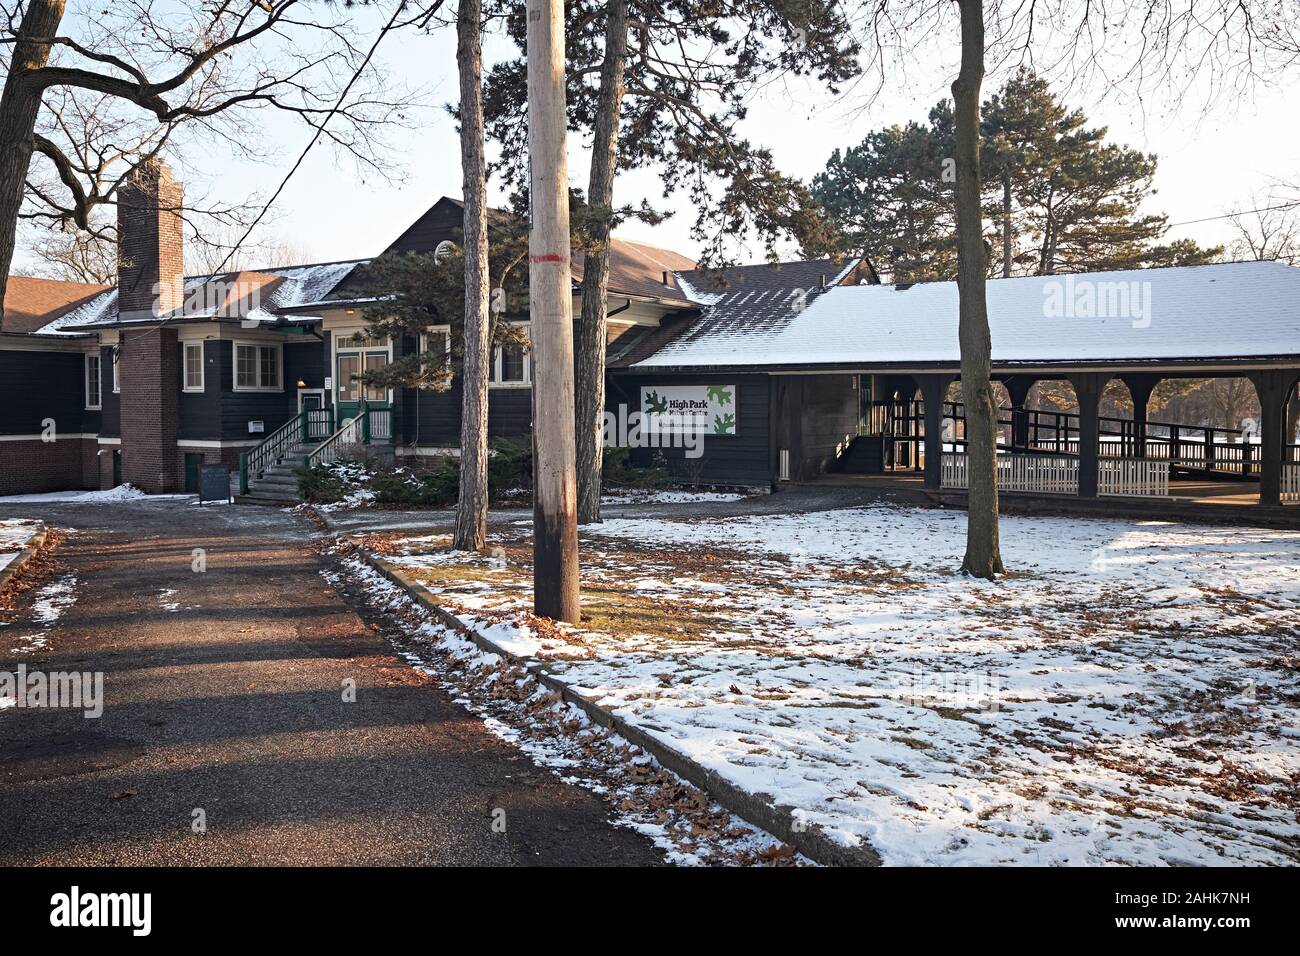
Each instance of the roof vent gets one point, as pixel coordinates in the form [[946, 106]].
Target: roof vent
[[670, 280], [823, 280]]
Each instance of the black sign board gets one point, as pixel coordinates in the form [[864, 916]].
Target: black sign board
[[214, 483]]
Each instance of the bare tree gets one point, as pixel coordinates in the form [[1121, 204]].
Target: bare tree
[[983, 552], [1268, 229], [472, 506], [75, 256], [146, 72]]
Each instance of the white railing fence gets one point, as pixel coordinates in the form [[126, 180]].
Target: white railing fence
[[1132, 477], [1059, 475], [1047, 474], [1290, 483]]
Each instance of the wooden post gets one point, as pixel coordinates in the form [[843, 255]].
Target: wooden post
[[1087, 389], [1272, 388], [550, 288], [933, 389]]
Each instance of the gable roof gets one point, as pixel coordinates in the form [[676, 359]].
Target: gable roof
[[1224, 311], [635, 268], [31, 303]]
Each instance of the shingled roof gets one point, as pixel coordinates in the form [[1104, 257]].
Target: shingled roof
[[32, 303]]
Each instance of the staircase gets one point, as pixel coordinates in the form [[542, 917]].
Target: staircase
[[278, 483], [267, 473], [865, 456]]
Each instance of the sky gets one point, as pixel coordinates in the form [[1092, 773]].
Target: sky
[[1208, 163]]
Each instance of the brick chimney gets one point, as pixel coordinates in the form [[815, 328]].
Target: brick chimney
[[150, 250], [151, 283]]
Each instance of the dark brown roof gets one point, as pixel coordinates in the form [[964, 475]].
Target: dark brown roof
[[635, 268], [770, 276], [31, 303]]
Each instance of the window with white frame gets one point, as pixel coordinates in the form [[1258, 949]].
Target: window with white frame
[[437, 339], [193, 373], [93, 397], [257, 367], [512, 365]]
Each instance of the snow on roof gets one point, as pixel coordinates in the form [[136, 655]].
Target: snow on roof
[[101, 310], [1228, 310], [308, 285], [286, 287]]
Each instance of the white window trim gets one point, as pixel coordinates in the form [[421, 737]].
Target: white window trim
[[116, 356], [435, 330], [495, 379], [185, 367], [234, 365], [85, 380]]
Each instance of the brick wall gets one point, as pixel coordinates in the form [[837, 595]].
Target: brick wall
[[150, 403], [151, 251], [31, 467]]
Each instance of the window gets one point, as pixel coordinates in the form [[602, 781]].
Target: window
[[511, 365], [92, 380], [437, 340], [350, 343], [257, 368], [117, 361], [374, 362], [193, 367], [349, 388]]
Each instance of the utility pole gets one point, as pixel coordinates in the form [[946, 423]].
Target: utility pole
[[550, 290]]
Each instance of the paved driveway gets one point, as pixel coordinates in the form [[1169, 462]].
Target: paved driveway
[[224, 694]]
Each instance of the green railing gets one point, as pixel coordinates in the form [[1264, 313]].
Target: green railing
[[302, 428], [350, 433]]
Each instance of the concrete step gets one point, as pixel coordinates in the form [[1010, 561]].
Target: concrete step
[[274, 501]]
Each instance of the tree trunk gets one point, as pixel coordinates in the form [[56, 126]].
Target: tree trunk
[[19, 105], [1006, 223], [983, 553], [472, 507], [592, 334], [550, 288]]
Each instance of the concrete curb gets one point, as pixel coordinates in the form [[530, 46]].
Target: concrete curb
[[34, 544], [756, 809]]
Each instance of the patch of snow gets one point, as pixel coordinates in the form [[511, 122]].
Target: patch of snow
[[635, 497], [1125, 696], [124, 492], [53, 599], [647, 798]]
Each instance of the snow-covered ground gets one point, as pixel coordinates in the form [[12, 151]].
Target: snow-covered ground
[[14, 535], [632, 496], [126, 492], [1127, 695]]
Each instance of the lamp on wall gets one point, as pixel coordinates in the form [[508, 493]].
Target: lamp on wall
[[301, 383]]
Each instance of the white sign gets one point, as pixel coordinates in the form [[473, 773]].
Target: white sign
[[698, 409]]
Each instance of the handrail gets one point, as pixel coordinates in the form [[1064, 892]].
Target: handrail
[[349, 433], [253, 463]]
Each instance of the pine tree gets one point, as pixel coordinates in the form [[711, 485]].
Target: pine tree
[[1060, 198]]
